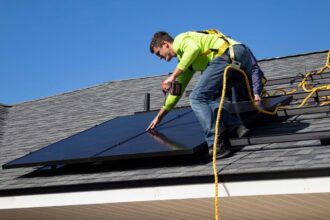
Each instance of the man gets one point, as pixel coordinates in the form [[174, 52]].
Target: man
[[209, 53]]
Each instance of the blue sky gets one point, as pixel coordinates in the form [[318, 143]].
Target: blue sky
[[48, 47]]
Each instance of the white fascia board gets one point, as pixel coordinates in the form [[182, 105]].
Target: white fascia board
[[192, 191]]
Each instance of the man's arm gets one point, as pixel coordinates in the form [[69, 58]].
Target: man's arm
[[166, 85], [162, 112], [256, 77], [190, 52], [257, 85], [172, 100]]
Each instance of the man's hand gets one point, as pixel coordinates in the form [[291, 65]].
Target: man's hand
[[257, 98], [170, 79], [153, 124], [162, 112], [165, 87], [166, 84]]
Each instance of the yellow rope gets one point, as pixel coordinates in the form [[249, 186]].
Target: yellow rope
[[325, 103], [214, 156], [306, 87], [279, 90], [327, 87], [326, 97]]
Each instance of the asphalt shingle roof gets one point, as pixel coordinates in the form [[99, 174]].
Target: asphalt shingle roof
[[32, 125]]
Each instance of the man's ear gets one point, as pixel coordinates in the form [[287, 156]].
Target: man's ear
[[166, 43]]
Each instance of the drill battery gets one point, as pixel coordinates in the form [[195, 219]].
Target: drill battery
[[176, 88]]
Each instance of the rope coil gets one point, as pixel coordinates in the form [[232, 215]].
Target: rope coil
[[311, 89]]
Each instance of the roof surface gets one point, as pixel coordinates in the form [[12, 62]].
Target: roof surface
[[32, 125]]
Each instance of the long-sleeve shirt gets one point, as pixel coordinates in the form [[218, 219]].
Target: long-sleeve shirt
[[190, 48]]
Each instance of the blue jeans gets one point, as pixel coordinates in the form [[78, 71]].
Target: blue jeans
[[204, 99]]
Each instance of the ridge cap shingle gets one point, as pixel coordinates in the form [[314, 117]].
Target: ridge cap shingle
[[293, 55]]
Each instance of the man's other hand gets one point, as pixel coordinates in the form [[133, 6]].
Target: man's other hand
[[257, 98]]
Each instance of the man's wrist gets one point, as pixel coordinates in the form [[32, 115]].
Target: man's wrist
[[176, 73], [257, 97], [171, 78]]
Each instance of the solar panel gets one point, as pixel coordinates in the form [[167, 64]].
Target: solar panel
[[122, 137], [180, 136]]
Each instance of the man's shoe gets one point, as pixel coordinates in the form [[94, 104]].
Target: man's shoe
[[240, 131], [223, 148]]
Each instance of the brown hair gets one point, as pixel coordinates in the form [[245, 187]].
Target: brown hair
[[158, 39]]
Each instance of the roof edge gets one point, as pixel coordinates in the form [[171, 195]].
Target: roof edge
[[174, 192], [189, 180]]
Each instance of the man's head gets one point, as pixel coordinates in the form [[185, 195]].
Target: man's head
[[161, 45]]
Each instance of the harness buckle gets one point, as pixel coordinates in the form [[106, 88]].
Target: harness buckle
[[235, 65]]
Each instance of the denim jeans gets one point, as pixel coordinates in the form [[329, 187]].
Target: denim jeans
[[204, 99]]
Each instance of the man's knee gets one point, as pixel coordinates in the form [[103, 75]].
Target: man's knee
[[196, 97], [192, 99]]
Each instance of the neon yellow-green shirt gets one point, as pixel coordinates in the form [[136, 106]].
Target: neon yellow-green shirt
[[189, 47]]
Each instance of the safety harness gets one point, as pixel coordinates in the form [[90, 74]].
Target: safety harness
[[227, 45], [223, 48]]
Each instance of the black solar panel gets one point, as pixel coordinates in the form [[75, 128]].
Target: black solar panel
[[122, 137], [180, 136]]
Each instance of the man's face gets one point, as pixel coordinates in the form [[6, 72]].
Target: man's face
[[164, 52]]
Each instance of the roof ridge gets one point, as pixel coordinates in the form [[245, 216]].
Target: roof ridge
[[81, 89], [146, 77], [4, 105], [294, 55]]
